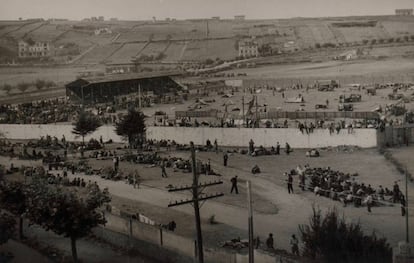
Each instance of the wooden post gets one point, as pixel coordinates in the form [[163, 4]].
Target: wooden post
[[196, 207], [250, 221], [407, 233]]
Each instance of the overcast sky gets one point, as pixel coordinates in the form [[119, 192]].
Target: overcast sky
[[145, 9]]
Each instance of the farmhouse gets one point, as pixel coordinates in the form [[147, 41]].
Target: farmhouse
[[31, 49], [248, 48], [404, 12], [106, 88]]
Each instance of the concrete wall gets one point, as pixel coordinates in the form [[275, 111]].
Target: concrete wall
[[365, 138], [167, 246], [35, 131], [225, 136]]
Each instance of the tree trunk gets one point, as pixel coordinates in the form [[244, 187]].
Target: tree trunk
[[21, 227], [74, 252], [83, 145]]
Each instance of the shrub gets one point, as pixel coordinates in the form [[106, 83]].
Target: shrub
[[330, 239]]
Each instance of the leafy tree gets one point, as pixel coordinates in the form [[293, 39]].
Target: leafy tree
[[373, 41], [7, 227], [331, 239], [318, 45], [132, 127], [85, 125], [13, 199], [365, 41], [64, 212], [7, 88], [40, 84], [23, 86]]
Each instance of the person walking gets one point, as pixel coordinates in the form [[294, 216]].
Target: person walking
[[163, 171], [290, 183], [294, 242], [277, 148], [234, 185], [368, 200], [225, 159]]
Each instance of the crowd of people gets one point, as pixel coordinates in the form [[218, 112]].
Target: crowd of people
[[343, 187]]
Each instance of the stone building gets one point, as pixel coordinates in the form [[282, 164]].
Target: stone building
[[32, 49], [404, 12]]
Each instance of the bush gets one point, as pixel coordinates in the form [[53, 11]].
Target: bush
[[373, 41], [317, 45], [331, 239]]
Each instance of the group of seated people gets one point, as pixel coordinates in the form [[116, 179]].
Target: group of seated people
[[343, 186]]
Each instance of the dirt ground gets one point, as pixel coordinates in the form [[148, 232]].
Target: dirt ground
[[275, 210]]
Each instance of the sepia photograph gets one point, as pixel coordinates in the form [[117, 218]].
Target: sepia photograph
[[207, 131]]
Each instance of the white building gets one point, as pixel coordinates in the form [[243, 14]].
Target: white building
[[33, 50], [248, 48], [404, 12], [104, 30]]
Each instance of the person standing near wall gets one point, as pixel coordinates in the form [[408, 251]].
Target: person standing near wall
[[225, 159], [290, 183]]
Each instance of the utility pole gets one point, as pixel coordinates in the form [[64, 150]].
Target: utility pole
[[407, 233], [249, 203], [243, 111], [257, 119], [197, 195], [139, 96]]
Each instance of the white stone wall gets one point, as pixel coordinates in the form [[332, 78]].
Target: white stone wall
[[365, 138]]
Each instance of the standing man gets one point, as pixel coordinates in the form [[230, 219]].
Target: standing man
[[225, 158], [270, 242], [277, 148], [216, 146], [163, 172], [137, 179], [251, 146], [290, 183], [295, 245], [287, 148], [234, 185]]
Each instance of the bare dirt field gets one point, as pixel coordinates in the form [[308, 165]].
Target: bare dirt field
[[275, 210]]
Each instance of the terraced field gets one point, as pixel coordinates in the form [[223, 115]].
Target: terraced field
[[25, 30], [175, 51], [47, 32], [126, 53], [153, 49], [201, 50], [99, 54]]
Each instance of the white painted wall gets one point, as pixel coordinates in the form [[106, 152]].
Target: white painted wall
[[365, 138], [35, 131]]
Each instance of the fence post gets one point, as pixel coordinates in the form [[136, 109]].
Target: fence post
[[161, 241]]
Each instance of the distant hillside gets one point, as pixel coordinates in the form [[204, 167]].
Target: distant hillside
[[198, 40]]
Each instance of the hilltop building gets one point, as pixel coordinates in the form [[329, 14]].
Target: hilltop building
[[31, 49], [248, 48], [404, 12], [240, 17], [104, 30]]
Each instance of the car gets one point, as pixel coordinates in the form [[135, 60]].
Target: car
[[321, 106], [345, 107]]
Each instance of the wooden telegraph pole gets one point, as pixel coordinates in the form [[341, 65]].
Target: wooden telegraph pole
[[407, 235], [197, 195], [249, 203]]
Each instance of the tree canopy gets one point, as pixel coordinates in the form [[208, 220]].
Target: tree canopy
[[132, 127], [330, 239], [85, 125], [64, 212], [7, 227]]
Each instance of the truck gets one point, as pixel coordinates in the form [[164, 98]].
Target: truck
[[327, 85]]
